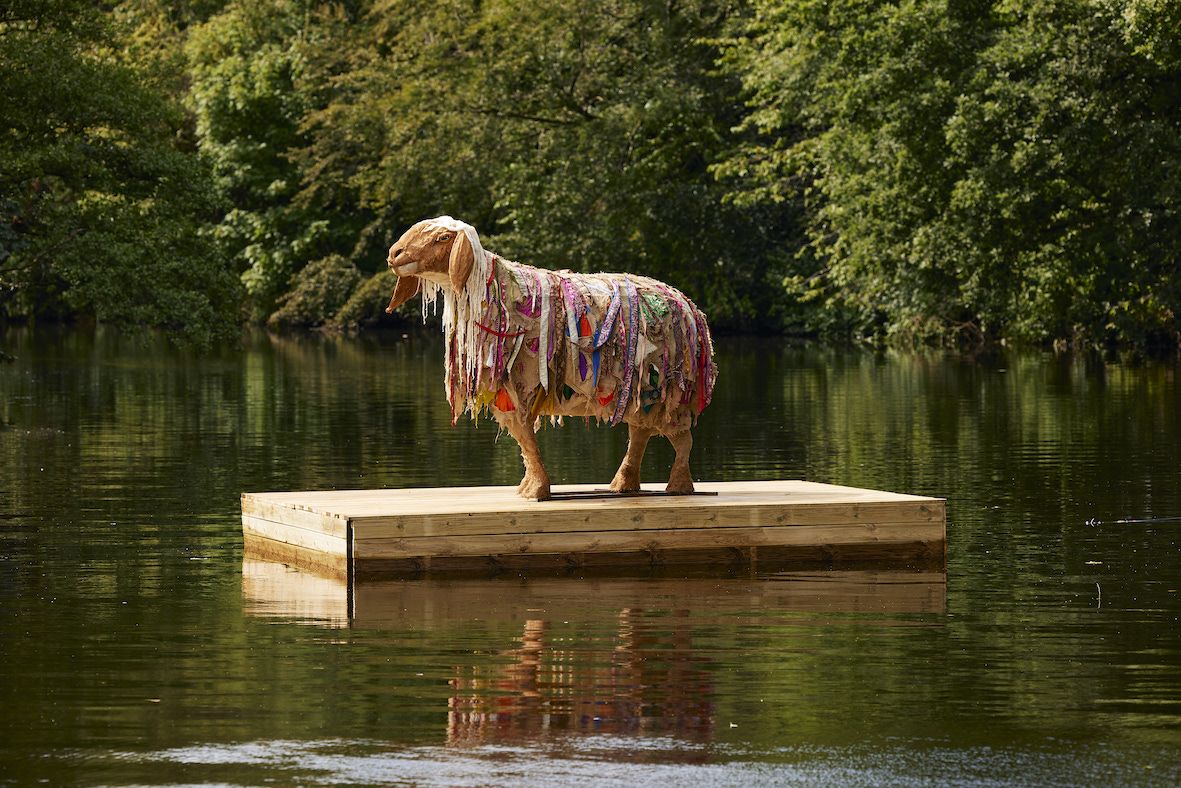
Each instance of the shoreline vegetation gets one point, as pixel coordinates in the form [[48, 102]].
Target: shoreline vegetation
[[966, 172]]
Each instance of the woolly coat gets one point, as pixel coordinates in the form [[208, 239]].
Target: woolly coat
[[614, 347]]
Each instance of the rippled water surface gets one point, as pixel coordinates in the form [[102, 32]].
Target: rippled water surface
[[141, 647]]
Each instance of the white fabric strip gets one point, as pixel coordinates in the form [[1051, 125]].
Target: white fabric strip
[[543, 332]]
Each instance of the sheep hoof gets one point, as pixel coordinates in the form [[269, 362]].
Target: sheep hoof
[[680, 483], [534, 488], [625, 482]]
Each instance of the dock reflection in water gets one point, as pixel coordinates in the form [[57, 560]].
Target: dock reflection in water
[[607, 654]]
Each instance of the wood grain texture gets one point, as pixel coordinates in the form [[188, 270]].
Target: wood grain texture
[[432, 528]]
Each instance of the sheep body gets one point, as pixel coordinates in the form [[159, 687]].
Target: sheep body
[[526, 343]]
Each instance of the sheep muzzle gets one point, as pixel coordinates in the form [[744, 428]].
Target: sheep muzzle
[[401, 267]]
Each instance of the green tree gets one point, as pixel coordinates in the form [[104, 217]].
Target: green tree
[[245, 67], [102, 212], [572, 135], [1006, 169], [1067, 149]]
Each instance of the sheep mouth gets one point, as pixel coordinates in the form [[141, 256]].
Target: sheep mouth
[[404, 269]]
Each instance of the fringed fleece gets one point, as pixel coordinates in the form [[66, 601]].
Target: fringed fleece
[[613, 347]]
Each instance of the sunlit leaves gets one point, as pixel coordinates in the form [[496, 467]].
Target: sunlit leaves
[[245, 66], [1152, 27], [991, 167]]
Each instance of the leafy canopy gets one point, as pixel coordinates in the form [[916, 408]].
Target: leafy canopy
[[102, 210], [1005, 169]]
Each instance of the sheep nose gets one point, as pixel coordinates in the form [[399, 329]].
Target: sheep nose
[[392, 256]]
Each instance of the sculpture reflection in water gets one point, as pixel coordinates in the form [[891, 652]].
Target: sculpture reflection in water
[[648, 679], [509, 658]]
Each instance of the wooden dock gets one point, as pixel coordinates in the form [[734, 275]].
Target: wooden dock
[[772, 524]]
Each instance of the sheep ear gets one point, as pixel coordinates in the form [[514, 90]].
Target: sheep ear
[[407, 288], [463, 259]]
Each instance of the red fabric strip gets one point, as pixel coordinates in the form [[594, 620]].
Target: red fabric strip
[[501, 334]]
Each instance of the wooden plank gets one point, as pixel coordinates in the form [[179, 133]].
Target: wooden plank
[[312, 511], [909, 556], [326, 564], [295, 535], [559, 495], [497, 510], [363, 504], [647, 539], [586, 517]]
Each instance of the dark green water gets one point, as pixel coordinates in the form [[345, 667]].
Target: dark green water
[[139, 649]]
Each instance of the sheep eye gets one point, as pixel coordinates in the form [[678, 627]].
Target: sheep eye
[[444, 237]]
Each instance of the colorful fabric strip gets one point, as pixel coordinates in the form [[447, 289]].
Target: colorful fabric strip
[[633, 340], [609, 319], [502, 334]]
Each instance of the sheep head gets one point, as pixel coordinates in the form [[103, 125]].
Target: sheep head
[[437, 250]]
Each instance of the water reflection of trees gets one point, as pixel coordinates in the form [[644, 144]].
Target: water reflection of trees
[[122, 463], [648, 681]]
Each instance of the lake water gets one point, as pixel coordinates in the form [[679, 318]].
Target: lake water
[[140, 648]]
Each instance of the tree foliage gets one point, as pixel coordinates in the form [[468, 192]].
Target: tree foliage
[[245, 66], [102, 210], [988, 169], [1008, 168], [574, 135]]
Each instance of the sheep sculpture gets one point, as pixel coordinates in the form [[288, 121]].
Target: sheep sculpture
[[527, 343]]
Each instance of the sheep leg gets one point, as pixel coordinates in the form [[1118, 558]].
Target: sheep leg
[[627, 478], [536, 483], [680, 481]]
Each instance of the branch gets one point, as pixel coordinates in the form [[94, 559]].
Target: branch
[[36, 259], [497, 113]]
